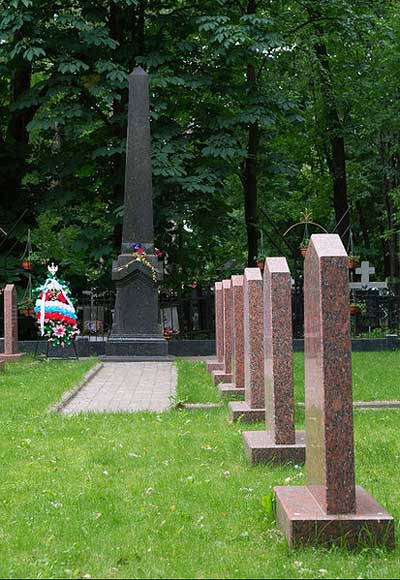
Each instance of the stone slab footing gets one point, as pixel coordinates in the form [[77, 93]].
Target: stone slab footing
[[241, 409], [215, 366], [231, 390], [126, 346], [301, 518], [261, 448], [221, 377], [10, 357]]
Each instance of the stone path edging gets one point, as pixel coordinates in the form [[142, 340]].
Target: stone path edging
[[67, 397]]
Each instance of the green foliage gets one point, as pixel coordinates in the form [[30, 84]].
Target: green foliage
[[63, 95]]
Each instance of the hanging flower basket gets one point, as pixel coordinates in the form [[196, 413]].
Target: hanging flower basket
[[260, 261], [354, 309], [304, 246], [27, 265], [353, 261], [28, 312]]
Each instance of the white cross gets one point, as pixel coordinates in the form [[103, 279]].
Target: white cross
[[365, 283]]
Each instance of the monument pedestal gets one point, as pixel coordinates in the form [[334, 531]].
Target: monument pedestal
[[241, 409], [141, 345], [303, 520], [11, 357], [261, 448], [136, 329]]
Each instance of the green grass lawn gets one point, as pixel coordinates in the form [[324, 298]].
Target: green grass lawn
[[376, 376], [158, 496]]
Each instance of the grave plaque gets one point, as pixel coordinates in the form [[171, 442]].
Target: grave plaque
[[10, 324], [218, 365], [279, 442], [329, 508], [236, 388], [252, 408], [225, 375]]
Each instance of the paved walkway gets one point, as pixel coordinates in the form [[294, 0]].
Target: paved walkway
[[126, 386]]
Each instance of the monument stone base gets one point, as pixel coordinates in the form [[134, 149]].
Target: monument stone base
[[120, 345], [242, 410], [221, 377], [301, 518], [261, 448], [11, 357], [231, 390], [215, 366]]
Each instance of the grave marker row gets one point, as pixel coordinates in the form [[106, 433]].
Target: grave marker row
[[330, 507]]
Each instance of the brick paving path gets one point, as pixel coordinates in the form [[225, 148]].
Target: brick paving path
[[126, 386]]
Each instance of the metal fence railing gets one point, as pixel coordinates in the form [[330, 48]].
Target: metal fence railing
[[190, 314]]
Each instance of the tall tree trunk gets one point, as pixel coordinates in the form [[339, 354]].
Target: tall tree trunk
[[336, 157], [17, 140], [249, 170]]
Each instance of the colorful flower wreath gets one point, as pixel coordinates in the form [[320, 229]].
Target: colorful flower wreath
[[140, 255], [54, 310]]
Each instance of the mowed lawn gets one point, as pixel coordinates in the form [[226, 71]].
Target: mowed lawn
[[164, 496]]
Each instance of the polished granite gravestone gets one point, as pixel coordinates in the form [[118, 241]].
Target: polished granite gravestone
[[218, 365], [252, 408], [225, 375], [136, 329], [330, 508], [236, 388], [279, 441], [10, 324]]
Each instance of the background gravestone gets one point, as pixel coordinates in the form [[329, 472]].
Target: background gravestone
[[225, 375], [330, 508], [280, 441], [252, 408], [218, 365], [10, 324], [236, 388], [136, 328]]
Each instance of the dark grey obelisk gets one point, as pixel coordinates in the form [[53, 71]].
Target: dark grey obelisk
[[136, 329]]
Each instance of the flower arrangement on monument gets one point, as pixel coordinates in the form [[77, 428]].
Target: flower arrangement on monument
[[54, 310], [140, 255]]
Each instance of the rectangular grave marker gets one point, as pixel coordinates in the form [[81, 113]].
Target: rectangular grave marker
[[330, 508], [225, 375], [10, 324], [218, 365], [252, 408], [280, 441], [236, 388]]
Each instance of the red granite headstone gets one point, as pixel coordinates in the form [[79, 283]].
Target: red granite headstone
[[218, 365], [330, 508], [10, 324], [280, 441], [252, 408], [225, 375], [236, 388]]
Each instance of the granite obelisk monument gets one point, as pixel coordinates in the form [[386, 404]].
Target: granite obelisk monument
[[136, 329]]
